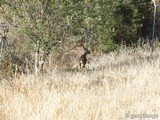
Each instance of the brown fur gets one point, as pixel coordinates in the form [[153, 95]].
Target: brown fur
[[83, 59]]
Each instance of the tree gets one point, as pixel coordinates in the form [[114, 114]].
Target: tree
[[41, 22], [48, 25]]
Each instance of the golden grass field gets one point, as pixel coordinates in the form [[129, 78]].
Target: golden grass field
[[120, 85]]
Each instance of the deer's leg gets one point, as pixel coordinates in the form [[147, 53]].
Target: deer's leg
[[80, 64], [83, 65]]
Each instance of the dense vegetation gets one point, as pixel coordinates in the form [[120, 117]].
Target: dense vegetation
[[54, 26], [43, 39]]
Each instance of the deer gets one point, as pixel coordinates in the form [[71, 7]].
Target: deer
[[83, 59]]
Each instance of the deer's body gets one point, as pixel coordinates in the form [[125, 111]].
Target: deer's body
[[83, 59]]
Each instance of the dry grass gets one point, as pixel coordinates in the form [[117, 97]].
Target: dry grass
[[116, 86]]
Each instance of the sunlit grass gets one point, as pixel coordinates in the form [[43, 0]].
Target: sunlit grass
[[115, 86]]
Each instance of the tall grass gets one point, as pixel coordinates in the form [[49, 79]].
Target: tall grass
[[115, 86]]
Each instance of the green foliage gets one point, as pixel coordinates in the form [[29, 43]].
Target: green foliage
[[105, 22], [129, 20], [46, 25]]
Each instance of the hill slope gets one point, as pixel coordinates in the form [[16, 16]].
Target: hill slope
[[115, 86]]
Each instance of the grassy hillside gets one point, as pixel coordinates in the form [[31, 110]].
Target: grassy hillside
[[116, 86]]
